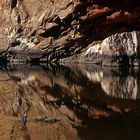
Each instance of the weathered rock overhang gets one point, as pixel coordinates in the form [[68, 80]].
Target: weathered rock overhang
[[60, 29], [117, 50]]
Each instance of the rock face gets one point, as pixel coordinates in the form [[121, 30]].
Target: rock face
[[118, 49], [51, 30]]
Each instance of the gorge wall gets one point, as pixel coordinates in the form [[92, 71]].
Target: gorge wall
[[55, 30]]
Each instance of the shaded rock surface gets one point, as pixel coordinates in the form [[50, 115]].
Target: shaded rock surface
[[59, 29]]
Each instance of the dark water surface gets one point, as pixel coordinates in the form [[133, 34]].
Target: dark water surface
[[80, 101]]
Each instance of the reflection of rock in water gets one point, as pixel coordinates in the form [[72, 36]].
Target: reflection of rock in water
[[125, 87], [66, 98], [75, 95], [115, 82], [94, 76]]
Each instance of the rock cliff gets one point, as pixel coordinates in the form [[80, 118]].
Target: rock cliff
[[51, 30], [121, 49]]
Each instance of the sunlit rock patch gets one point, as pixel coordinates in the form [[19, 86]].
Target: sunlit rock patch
[[116, 50]]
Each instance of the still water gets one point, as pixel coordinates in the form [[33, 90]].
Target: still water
[[71, 102]]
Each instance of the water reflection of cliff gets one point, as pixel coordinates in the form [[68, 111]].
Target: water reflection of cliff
[[75, 95], [115, 82], [62, 88]]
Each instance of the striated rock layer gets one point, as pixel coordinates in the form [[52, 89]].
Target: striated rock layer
[[118, 49], [51, 30]]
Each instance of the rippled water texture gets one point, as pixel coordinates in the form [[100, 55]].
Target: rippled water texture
[[73, 102]]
